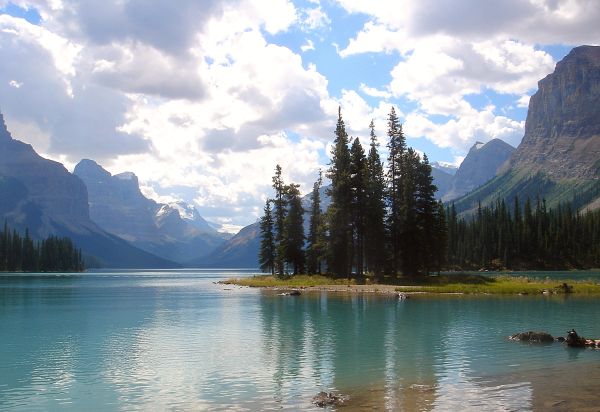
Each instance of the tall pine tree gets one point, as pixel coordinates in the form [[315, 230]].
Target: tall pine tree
[[358, 182], [294, 230], [339, 213], [375, 206], [396, 201], [280, 205], [266, 256], [426, 207], [316, 230]]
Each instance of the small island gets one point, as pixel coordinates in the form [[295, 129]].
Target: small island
[[383, 231], [459, 283]]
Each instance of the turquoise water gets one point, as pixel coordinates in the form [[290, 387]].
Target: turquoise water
[[175, 340]]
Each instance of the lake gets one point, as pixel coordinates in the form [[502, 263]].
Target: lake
[[176, 340]]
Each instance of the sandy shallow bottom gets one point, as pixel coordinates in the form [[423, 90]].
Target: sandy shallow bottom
[[559, 388]]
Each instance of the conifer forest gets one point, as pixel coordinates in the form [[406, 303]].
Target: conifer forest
[[23, 254], [386, 221]]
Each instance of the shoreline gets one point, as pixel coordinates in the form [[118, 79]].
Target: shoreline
[[436, 285]]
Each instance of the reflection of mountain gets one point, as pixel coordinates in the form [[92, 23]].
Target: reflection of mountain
[[173, 231], [41, 195]]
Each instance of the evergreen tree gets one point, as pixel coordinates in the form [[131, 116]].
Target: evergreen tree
[[280, 206], [375, 206], [20, 253], [557, 238], [339, 213], [440, 238], [426, 209], [316, 230], [409, 245], [294, 230], [358, 183], [266, 255], [396, 201]]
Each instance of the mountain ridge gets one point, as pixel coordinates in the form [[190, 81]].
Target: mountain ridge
[[173, 231], [558, 159], [41, 196]]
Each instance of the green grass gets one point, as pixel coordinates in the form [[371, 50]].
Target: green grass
[[455, 283], [290, 281], [498, 285]]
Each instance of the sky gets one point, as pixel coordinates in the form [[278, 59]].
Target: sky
[[202, 98]]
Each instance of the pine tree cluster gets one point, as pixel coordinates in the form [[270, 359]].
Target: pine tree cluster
[[524, 238], [377, 222], [22, 254]]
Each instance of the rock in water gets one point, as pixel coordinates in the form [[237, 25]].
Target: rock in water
[[324, 399], [533, 337]]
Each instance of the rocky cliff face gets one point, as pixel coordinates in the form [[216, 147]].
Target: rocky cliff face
[[480, 165], [116, 202], [442, 180], [559, 157], [176, 232], [41, 196], [562, 131], [50, 187]]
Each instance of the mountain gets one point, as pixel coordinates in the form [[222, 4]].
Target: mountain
[[42, 196], [559, 157], [479, 166], [242, 249], [445, 167], [173, 231], [442, 180]]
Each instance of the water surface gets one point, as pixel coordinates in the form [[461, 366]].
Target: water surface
[[175, 340]]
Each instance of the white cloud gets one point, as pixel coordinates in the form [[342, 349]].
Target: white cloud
[[199, 113], [15, 84], [315, 18], [309, 45], [374, 38], [523, 101], [373, 92], [461, 132], [450, 50], [531, 21]]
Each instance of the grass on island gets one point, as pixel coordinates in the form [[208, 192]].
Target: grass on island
[[502, 284], [296, 281], [453, 283]]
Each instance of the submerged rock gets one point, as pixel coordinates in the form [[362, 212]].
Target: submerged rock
[[324, 399], [294, 292], [533, 337]]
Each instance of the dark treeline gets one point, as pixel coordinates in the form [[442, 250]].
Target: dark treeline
[[379, 221], [524, 237], [22, 254]]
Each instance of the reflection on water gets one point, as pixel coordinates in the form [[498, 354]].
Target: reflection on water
[[175, 340]]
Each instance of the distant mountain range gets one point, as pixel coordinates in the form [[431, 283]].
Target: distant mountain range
[[116, 226], [42, 196], [172, 231], [479, 166], [563, 126]]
